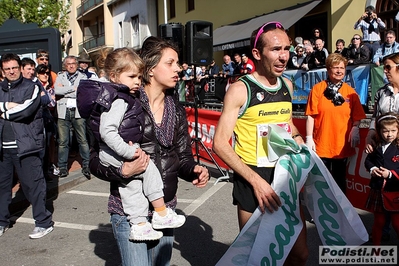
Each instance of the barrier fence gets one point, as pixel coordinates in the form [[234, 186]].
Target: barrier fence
[[365, 79]]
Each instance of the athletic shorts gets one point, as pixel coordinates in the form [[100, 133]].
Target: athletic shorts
[[243, 192]]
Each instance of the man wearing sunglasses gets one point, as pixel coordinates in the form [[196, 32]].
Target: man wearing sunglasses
[[256, 99], [42, 57]]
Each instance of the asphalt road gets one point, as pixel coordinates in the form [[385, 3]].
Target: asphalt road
[[83, 235]]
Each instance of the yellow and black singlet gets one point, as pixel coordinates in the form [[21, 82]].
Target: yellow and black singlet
[[263, 106]]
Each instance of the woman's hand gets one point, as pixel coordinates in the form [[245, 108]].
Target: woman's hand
[[354, 137], [310, 143], [203, 176]]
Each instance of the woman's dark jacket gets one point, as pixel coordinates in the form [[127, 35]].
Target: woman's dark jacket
[[173, 162], [359, 55]]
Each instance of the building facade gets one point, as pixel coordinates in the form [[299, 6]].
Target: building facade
[[97, 24], [116, 23], [335, 18]]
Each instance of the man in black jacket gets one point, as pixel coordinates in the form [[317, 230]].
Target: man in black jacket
[[22, 139], [320, 53], [308, 62]]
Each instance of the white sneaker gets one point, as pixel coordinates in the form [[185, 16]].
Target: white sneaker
[[170, 220], [144, 232], [39, 232], [3, 229]]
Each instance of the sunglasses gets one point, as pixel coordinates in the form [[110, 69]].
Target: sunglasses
[[355, 38], [43, 58], [266, 27], [389, 67], [335, 97], [44, 73]]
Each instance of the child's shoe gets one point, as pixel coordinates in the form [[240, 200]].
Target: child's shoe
[[170, 220], [144, 232]]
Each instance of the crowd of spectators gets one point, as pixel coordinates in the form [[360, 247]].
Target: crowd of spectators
[[364, 48], [58, 98], [41, 115], [311, 53]]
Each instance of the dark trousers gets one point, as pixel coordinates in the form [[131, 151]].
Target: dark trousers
[[30, 174], [337, 168]]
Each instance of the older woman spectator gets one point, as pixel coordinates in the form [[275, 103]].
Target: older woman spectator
[[358, 53], [298, 58], [333, 114]]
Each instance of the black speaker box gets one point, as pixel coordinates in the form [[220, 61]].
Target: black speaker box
[[173, 32], [199, 42]]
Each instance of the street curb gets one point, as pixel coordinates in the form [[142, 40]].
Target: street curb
[[54, 188]]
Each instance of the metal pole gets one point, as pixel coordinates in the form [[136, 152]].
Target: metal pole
[[165, 11]]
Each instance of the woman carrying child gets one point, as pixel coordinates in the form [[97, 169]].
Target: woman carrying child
[[166, 140]]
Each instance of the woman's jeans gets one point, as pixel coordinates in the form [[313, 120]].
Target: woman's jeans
[[150, 253]]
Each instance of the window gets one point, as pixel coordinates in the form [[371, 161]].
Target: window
[[135, 31], [190, 5], [172, 9]]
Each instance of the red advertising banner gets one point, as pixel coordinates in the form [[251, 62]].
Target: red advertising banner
[[207, 122], [357, 177], [357, 182]]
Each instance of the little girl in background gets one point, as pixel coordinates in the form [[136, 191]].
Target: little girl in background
[[383, 164], [117, 119]]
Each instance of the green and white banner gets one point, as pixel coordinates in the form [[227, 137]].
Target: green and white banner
[[267, 239]]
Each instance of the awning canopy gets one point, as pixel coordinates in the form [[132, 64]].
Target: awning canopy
[[238, 34]]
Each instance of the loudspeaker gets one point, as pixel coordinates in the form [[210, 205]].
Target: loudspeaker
[[173, 32], [199, 42]]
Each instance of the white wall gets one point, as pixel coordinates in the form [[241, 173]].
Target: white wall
[[124, 11]]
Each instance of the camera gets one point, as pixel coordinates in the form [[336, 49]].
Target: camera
[[369, 13]]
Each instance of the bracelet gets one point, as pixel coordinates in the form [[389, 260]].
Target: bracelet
[[297, 135]]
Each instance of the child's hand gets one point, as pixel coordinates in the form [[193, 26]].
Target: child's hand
[[137, 153], [384, 172], [376, 172]]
